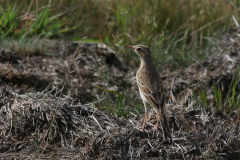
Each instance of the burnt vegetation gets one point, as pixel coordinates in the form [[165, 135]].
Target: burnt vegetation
[[78, 98], [54, 106]]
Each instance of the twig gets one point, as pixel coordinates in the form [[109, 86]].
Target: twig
[[96, 121], [35, 11]]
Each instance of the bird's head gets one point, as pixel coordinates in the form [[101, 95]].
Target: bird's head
[[141, 50]]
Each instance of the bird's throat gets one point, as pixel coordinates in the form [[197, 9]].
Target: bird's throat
[[146, 61]]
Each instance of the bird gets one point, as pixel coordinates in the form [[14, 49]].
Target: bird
[[150, 87]]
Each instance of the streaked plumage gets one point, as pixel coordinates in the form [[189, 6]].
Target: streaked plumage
[[150, 86]]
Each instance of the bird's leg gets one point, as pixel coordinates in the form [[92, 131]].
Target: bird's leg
[[158, 117], [144, 121], [146, 113]]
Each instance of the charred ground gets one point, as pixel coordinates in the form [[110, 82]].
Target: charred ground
[[52, 105]]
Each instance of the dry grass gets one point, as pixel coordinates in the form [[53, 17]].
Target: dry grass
[[51, 121], [83, 132], [47, 125]]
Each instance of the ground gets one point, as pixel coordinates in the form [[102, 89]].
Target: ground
[[52, 105]]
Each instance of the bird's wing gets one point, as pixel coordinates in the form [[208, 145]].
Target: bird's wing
[[155, 98]]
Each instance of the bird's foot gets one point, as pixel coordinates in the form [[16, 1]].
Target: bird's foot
[[156, 127]]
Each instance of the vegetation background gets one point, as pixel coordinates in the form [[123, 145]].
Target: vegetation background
[[177, 31], [186, 38]]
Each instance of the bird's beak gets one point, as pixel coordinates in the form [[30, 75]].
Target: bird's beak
[[131, 47]]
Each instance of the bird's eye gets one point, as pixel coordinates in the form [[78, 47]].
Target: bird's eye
[[139, 49]]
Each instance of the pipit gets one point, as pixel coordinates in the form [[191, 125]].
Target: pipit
[[151, 87]]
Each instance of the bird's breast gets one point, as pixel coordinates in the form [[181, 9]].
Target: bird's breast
[[143, 97]]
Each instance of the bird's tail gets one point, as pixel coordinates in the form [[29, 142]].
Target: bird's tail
[[165, 127]]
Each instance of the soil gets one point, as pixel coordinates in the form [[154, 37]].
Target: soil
[[49, 105]]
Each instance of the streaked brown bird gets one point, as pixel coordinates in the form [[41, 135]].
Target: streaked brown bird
[[151, 87]]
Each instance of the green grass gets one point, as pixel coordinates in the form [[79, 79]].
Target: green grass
[[203, 97], [118, 109], [232, 101], [43, 25], [218, 96], [118, 22], [224, 103], [124, 104]]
